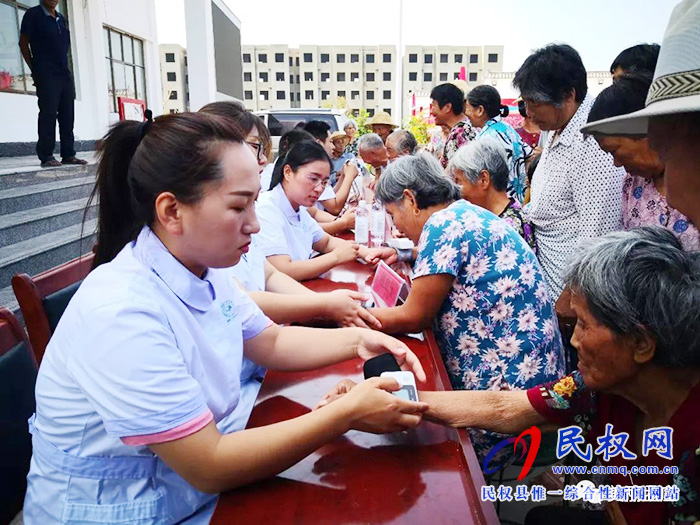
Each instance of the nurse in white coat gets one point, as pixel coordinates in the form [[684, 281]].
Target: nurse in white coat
[[139, 381], [288, 236]]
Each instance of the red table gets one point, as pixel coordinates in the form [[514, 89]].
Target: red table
[[428, 475]]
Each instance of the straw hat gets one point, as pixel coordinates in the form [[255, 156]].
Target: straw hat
[[382, 118], [338, 135], [676, 85]]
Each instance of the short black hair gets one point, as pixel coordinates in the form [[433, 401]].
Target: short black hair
[[449, 94], [318, 129], [549, 74], [642, 57], [626, 95], [490, 99]]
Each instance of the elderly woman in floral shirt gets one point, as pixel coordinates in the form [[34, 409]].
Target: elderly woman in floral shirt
[[476, 281]]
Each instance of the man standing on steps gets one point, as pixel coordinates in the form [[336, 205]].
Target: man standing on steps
[[45, 41]]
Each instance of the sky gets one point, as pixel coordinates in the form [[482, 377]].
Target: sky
[[598, 29]]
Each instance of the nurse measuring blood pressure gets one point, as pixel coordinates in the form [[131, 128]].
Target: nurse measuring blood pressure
[[136, 390]]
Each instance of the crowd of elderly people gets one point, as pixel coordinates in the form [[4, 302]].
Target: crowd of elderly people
[[589, 267]]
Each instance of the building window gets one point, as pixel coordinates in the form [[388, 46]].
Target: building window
[[388, 110], [473, 77], [456, 77], [291, 79], [172, 77], [341, 94], [428, 58], [370, 77], [308, 57], [173, 95], [369, 59], [443, 77], [281, 95], [308, 76], [473, 59], [458, 58], [264, 95], [262, 57], [246, 58], [308, 95], [386, 58], [355, 95], [341, 77], [325, 77], [427, 77], [279, 76], [493, 58], [340, 58], [296, 61], [263, 77], [369, 95], [325, 58], [325, 95], [173, 111], [413, 76], [354, 77], [443, 58], [387, 77], [413, 58], [370, 112], [126, 73], [354, 58], [247, 77], [279, 57], [291, 61], [386, 95], [170, 57], [249, 95], [297, 79], [355, 112]]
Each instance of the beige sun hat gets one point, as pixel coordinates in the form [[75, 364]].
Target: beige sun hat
[[676, 85], [338, 135], [382, 118]]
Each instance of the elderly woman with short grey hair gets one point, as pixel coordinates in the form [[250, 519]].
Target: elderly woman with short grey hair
[[476, 281], [350, 130], [481, 170]]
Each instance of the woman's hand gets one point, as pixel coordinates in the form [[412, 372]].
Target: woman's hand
[[346, 252], [372, 344], [374, 255], [350, 170], [348, 218], [344, 307], [371, 407]]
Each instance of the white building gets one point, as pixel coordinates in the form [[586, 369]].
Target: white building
[[114, 53], [174, 77]]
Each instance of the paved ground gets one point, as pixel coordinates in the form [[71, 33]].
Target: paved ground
[[9, 165]]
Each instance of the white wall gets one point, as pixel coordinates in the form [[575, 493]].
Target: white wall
[[86, 18]]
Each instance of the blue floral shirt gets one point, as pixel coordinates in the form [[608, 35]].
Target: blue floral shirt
[[497, 328], [516, 150]]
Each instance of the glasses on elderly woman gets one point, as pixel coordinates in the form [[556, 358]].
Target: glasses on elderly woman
[[258, 148], [316, 181]]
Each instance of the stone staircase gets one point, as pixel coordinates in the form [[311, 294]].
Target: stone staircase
[[41, 218]]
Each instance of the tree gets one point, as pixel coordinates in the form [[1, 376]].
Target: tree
[[419, 128]]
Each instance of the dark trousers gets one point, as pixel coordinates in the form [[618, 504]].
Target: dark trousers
[[56, 95]]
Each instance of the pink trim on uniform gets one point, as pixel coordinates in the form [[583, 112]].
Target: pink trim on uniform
[[182, 431]]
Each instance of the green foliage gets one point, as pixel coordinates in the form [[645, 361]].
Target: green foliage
[[419, 128]]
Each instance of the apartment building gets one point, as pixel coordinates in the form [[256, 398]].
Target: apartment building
[[174, 78]]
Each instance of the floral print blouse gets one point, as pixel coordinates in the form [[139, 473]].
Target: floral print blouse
[[460, 135], [516, 151], [496, 329], [567, 401], [643, 205], [513, 215]]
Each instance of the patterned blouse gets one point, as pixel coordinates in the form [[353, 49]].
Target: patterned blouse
[[351, 148], [496, 329], [568, 402], [513, 215], [516, 151], [460, 135], [643, 205]]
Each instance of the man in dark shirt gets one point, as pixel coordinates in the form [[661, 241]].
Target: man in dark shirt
[[45, 42]]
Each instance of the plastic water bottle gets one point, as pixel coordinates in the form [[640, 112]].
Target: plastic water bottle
[[376, 230], [362, 224]]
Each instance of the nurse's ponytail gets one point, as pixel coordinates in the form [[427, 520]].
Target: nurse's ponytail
[[139, 161]]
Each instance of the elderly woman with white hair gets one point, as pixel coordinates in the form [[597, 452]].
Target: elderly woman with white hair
[[350, 130], [475, 280], [637, 298], [481, 170]]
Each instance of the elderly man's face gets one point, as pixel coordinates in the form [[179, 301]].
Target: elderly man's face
[[606, 360], [339, 146], [377, 158], [392, 148], [550, 117], [675, 138], [634, 154], [383, 130]]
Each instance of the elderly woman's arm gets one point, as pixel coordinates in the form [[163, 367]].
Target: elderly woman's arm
[[507, 412], [421, 307]]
